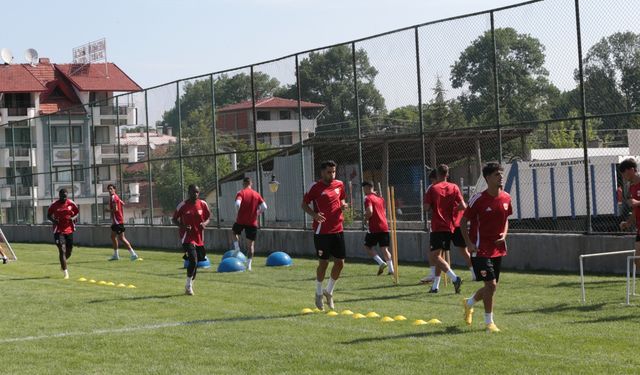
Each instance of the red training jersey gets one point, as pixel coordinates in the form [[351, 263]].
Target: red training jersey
[[443, 197], [327, 199], [457, 216], [192, 214], [250, 200], [62, 212], [488, 216], [378, 220], [634, 192], [115, 204]]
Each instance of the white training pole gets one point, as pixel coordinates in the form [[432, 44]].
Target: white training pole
[[8, 244], [631, 259], [581, 257]]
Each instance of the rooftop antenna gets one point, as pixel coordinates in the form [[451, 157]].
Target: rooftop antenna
[[6, 55], [31, 55]]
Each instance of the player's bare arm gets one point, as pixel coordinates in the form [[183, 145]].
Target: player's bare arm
[[464, 230], [317, 216]]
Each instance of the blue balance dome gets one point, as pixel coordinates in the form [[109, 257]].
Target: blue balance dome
[[231, 264], [279, 258], [206, 263], [235, 254]]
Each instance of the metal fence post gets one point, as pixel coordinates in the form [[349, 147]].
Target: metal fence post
[[149, 172], [357, 107], [302, 160], [421, 123], [181, 162], [496, 89], [255, 138], [215, 149]]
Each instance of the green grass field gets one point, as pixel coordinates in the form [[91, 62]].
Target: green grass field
[[252, 322]]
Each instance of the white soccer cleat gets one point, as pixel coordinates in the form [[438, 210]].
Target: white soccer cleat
[[329, 298], [114, 257], [427, 279]]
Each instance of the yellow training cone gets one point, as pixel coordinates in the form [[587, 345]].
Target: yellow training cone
[[102, 282], [111, 283], [82, 279], [332, 313], [399, 318], [372, 314], [346, 312], [121, 285], [434, 321], [307, 311], [419, 322], [92, 281], [130, 286], [387, 319], [358, 316]]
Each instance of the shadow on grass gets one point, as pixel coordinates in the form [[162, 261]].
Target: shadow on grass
[[25, 278], [141, 298], [559, 308], [451, 330], [382, 298], [576, 284], [610, 319]]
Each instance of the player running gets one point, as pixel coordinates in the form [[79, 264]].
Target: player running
[[249, 204], [63, 214], [192, 216], [442, 198], [328, 198], [378, 234], [629, 172], [117, 224], [488, 213], [432, 268]]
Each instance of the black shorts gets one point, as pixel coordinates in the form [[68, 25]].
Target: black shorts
[[330, 245], [440, 241], [457, 239], [249, 231], [373, 239], [486, 269], [200, 251], [63, 239], [118, 228]]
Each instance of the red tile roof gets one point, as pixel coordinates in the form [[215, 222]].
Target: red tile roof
[[93, 77], [270, 103], [53, 80], [16, 78]]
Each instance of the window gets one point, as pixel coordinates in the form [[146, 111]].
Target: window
[[100, 97], [264, 138], [285, 115], [22, 136], [19, 100], [103, 173], [101, 135], [60, 135], [112, 121], [63, 173], [286, 138], [264, 115]]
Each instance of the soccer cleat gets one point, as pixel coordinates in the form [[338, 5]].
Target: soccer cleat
[[427, 279], [457, 284], [188, 291], [114, 257], [381, 268], [134, 257], [319, 303], [433, 290], [329, 298], [4, 260], [492, 328], [468, 312]]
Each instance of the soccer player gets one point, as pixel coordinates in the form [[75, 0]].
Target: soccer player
[[458, 241], [249, 204], [117, 224], [378, 234], [328, 198], [434, 272], [192, 216], [629, 172], [4, 257], [63, 214], [488, 213], [442, 198]]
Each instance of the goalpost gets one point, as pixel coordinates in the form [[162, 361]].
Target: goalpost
[[581, 259], [6, 247]]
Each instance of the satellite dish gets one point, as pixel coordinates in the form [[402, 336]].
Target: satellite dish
[[6, 55], [31, 55]]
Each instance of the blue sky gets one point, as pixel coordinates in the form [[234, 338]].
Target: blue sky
[[161, 41]]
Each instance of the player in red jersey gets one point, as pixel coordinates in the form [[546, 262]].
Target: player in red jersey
[[488, 213], [63, 214], [629, 172], [442, 198], [458, 241], [434, 271], [378, 234], [249, 204], [117, 224], [328, 198], [192, 217]]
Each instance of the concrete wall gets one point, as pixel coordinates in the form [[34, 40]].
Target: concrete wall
[[539, 252]]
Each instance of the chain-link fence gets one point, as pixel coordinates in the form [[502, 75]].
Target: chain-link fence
[[551, 89]]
